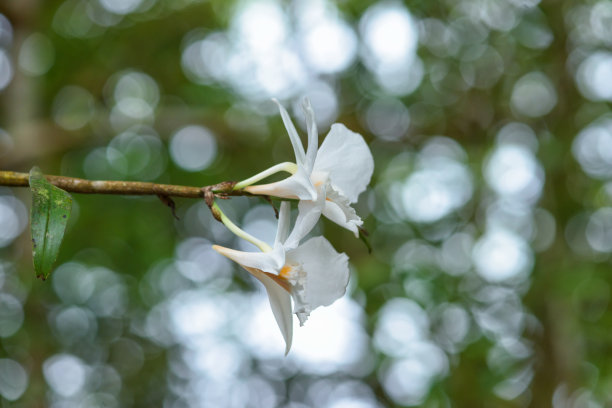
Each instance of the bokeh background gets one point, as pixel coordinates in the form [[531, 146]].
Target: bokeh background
[[490, 210]]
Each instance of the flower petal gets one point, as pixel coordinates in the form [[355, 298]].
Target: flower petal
[[283, 223], [313, 136], [271, 261], [280, 302], [348, 160], [309, 213], [327, 274], [297, 186], [296, 142]]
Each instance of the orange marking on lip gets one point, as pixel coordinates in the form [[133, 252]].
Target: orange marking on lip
[[285, 271]]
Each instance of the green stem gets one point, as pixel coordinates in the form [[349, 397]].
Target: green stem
[[238, 232], [286, 166]]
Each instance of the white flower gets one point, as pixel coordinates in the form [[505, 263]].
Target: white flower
[[328, 179], [313, 273]]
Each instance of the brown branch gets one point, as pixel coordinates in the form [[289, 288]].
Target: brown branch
[[82, 186]]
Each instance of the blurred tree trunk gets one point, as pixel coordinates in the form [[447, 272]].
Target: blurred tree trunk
[[22, 105], [557, 347]]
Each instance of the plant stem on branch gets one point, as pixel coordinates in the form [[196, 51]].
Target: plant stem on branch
[[78, 185]]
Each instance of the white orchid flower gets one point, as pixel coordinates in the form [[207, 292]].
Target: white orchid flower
[[313, 274], [326, 180]]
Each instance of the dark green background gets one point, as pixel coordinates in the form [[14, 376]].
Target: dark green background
[[557, 352]]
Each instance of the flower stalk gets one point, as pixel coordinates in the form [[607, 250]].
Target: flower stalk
[[237, 231], [288, 167]]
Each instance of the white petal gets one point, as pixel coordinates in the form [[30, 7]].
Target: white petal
[[283, 223], [338, 209], [280, 302], [348, 160], [313, 136], [271, 261], [297, 186], [327, 273], [298, 148], [309, 213]]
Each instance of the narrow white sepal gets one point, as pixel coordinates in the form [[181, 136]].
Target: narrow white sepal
[[309, 213], [313, 136], [280, 303], [296, 142], [282, 230]]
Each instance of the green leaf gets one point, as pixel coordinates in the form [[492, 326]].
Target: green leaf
[[363, 235], [49, 216]]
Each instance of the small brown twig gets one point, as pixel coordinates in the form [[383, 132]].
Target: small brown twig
[[269, 200]]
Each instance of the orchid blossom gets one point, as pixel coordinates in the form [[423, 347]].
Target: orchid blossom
[[326, 180], [313, 274]]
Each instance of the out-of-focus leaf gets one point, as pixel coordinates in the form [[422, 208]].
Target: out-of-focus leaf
[[49, 216], [363, 236]]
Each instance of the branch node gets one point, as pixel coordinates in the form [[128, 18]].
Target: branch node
[[224, 188], [209, 198]]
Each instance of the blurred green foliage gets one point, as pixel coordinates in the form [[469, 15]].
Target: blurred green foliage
[[489, 210]]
